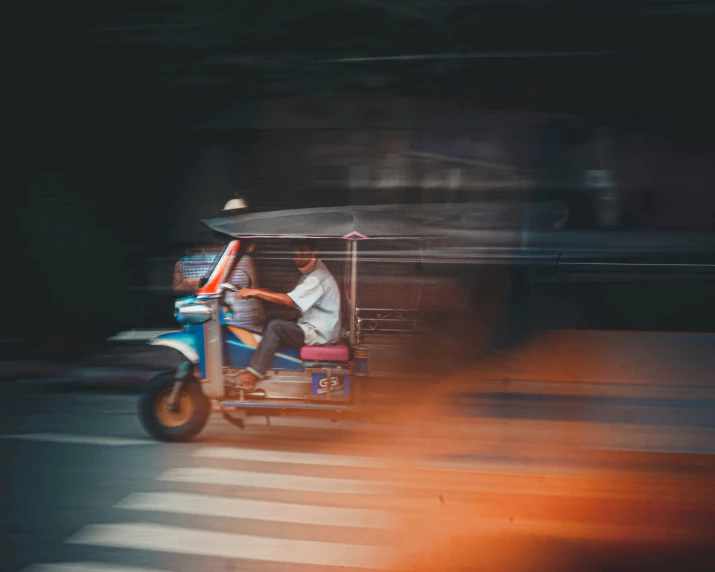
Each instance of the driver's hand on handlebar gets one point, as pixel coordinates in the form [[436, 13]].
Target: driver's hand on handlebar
[[247, 293]]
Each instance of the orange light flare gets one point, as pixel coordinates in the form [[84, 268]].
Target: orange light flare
[[516, 494]]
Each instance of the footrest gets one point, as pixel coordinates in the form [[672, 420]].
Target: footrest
[[284, 406]]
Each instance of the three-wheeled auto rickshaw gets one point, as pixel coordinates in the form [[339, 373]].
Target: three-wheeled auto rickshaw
[[314, 381]]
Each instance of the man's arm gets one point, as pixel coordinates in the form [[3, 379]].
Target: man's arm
[[183, 285], [266, 295], [178, 278]]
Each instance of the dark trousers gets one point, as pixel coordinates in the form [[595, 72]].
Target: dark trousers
[[278, 333]]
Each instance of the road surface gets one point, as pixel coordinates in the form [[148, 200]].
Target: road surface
[[85, 490]]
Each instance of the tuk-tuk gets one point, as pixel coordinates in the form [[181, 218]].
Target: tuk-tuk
[[313, 381]]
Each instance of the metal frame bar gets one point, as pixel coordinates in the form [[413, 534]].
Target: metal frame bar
[[352, 303], [213, 344], [295, 406], [389, 320], [213, 353]]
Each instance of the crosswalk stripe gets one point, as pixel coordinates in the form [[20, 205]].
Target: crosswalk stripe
[[179, 540], [206, 505], [318, 459], [211, 476], [85, 567], [391, 492], [78, 439], [274, 456]]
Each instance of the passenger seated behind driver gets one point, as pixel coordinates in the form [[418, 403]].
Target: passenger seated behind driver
[[246, 313], [316, 295]]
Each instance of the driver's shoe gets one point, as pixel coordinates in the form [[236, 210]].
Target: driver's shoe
[[248, 380]]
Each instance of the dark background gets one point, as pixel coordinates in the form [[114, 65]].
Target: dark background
[[108, 98]]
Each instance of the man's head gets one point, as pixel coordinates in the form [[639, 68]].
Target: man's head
[[305, 253]]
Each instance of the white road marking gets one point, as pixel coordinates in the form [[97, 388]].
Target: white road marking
[[274, 456], [78, 439], [323, 459], [206, 505], [179, 540], [211, 476], [85, 567]]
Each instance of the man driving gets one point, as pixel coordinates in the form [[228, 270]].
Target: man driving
[[316, 295]]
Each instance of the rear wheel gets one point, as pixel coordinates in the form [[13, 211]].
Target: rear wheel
[[165, 424]]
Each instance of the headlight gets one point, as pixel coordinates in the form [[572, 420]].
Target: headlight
[[194, 314]]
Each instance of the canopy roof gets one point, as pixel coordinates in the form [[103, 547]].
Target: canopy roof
[[380, 222]]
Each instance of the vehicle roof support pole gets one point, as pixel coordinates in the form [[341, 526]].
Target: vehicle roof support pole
[[353, 291]]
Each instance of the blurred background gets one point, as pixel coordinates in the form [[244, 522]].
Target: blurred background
[[590, 348]]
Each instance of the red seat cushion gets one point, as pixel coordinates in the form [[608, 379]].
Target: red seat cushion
[[325, 353]]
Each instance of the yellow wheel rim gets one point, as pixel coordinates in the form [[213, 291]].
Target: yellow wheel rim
[[170, 418]]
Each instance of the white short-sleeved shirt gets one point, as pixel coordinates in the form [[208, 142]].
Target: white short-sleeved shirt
[[317, 296]]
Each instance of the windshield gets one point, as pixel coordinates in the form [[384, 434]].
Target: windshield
[[217, 256]]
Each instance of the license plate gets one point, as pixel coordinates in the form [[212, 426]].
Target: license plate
[[339, 384]]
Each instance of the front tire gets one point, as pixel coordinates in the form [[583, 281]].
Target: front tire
[[166, 425]]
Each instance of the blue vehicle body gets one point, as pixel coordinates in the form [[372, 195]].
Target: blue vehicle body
[[237, 351]]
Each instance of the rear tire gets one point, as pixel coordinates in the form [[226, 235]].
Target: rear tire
[[165, 425]]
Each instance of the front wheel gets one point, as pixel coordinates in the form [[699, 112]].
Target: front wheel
[[163, 423]]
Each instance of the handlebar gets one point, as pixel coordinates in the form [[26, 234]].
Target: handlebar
[[230, 287]]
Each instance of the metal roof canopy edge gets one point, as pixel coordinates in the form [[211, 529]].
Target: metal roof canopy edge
[[391, 222]]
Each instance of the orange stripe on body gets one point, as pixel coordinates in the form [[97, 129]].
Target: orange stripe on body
[[244, 336]]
